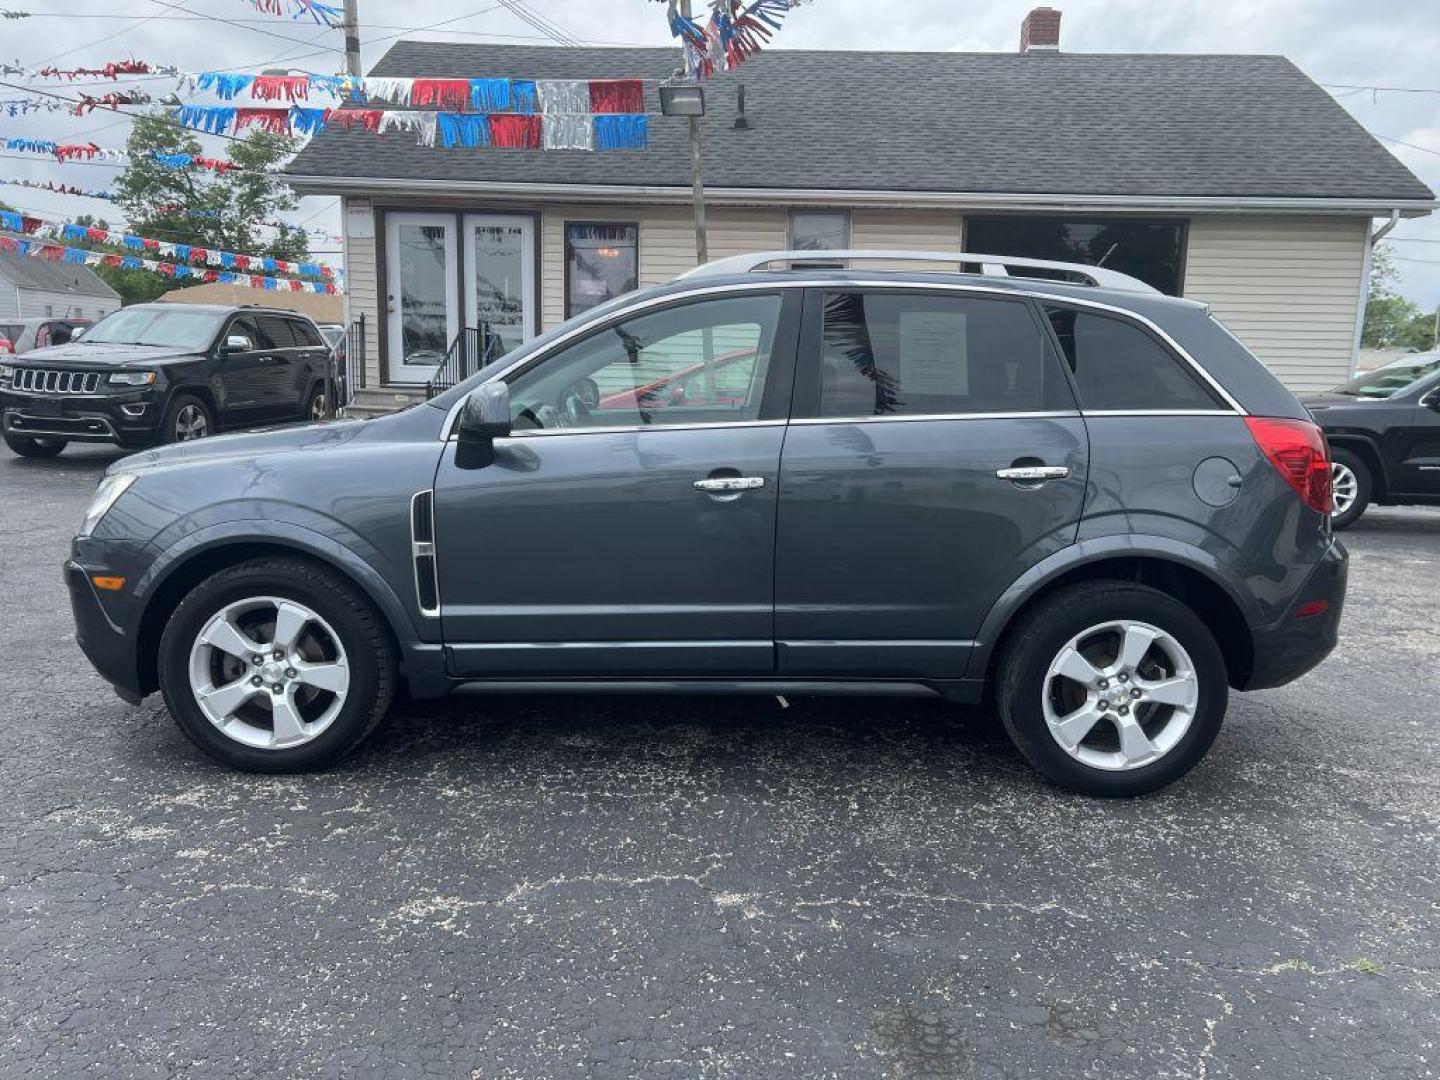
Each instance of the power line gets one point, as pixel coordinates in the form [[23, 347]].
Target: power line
[[240, 25], [1383, 89], [1402, 142]]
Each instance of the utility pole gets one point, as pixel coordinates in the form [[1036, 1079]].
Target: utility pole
[[697, 172], [351, 27]]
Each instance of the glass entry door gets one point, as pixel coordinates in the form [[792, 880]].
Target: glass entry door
[[500, 278], [422, 278]]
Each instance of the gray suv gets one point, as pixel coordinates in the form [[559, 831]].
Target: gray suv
[[1039, 484]]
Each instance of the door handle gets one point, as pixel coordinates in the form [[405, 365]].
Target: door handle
[[1033, 473], [727, 484]]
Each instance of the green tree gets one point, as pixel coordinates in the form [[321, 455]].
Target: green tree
[[1391, 321], [200, 207]]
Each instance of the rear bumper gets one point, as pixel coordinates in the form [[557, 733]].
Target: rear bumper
[[1298, 642]]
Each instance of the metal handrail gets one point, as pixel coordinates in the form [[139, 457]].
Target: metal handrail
[[472, 349], [990, 265]]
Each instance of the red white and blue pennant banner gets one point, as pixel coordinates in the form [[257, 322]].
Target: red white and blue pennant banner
[[103, 155], [59, 229], [323, 14], [734, 32]]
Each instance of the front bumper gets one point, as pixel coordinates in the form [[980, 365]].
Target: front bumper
[[104, 629], [1298, 642], [131, 419]]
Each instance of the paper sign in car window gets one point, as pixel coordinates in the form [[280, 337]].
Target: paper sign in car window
[[933, 358]]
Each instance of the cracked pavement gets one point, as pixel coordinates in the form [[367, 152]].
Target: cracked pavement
[[655, 887]]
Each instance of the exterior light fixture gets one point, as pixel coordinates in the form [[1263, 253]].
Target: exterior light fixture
[[682, 99]]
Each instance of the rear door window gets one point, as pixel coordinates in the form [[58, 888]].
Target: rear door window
[[895, 353], [278, 331], [1119, 365], [306, 335]]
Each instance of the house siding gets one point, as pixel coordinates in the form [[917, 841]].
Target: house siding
[[32, 304], [1289, 288], [362, 282]]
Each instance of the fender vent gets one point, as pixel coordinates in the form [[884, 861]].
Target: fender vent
[[422, 549]]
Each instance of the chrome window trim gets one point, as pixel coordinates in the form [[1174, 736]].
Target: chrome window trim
[[1161, 412], [906, 418], [447, 430], [537, 433]]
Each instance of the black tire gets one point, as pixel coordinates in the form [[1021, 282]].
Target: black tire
[[180, 409], [1364, 486], [360, 628], [34, 446], [316, 399], [1038, 639]]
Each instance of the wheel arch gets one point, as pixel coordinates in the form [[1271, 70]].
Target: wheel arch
[[1368, 452], [1171, 567], [195, 390], [178, 572]]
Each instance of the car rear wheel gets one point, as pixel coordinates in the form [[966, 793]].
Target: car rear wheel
[[1110, 688], [1351, 481], [35, 447], [276, 665], [187, 418]]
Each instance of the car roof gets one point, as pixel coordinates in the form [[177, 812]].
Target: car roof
[[220, 309]]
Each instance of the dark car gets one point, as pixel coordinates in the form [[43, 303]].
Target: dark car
[[160, 373], [1384, 432], [1085, 502]]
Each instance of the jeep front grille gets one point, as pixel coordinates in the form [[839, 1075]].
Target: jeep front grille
[[39, 381]]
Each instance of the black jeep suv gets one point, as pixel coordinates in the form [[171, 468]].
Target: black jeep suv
[[1384, 432], [159, 373]]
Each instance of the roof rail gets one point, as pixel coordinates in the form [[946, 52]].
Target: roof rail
[[991, 265]]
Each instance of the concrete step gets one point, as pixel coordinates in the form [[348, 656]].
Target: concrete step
[[379, 400]]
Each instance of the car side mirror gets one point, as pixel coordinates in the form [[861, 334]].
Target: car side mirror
[[485, 416], [1432, 400], [237, 343]]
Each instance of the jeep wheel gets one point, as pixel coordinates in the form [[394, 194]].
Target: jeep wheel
[[34, 447], [1352, 484], [276, 665], [1110, 688], [187, 418]]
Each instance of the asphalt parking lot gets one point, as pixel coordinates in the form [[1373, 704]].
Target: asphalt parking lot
[[538, 887]]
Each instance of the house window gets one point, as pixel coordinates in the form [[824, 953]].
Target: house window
[[819, 230], [602, 261], [1150, 249]]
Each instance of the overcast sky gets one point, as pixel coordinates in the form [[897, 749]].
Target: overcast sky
[[1375, 43]]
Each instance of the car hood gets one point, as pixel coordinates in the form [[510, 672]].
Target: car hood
[[289, 438], [99, 356]]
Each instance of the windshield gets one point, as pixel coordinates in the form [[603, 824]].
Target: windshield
[[1393, 378], [146, 325]]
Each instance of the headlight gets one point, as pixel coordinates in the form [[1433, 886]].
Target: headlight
[[110, 489], [7, 371], [132, 378]]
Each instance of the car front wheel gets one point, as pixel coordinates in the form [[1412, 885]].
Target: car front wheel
[[276, 665], [187, 418], [35, 447], [1111, 688]]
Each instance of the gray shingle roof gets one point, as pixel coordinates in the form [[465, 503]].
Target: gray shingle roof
[[28, 272], [1245, 126]]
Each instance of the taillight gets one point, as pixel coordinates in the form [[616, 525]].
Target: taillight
[[6, 348], [1298, 449]]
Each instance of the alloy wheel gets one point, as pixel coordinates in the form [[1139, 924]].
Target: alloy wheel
[[191, 423], [1345, 486], [269, 672], [317, 407], [1120, 695]]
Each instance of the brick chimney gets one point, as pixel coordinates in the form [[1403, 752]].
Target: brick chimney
[[1040, 32]]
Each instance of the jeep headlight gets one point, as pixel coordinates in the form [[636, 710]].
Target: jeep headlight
[[132, 378], [110, 489], [7, 373]]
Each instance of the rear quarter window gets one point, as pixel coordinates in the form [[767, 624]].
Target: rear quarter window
[[1119, 365], [306, 335]]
